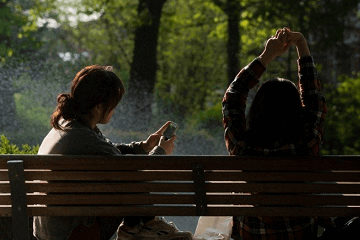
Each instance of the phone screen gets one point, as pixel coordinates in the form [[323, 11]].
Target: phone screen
[[170, 130]]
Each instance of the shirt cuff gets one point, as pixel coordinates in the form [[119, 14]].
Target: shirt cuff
[[158, 151], [306, 61]]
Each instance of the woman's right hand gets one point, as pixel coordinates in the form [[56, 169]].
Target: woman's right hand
[[298, 39], [294, 38], [168, 145]]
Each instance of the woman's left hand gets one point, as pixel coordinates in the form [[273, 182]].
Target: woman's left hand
[[153, 140], [275, 46]]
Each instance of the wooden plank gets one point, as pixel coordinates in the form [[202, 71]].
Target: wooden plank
[[106, 199], [283, 176], [114, 211], [188, 199], [189, 187], [187, 176], [5, 211], [124, 199], [186, 162], [110, 199], [109, 175], [108, 187], [191, 211], [308, 200], [4, 187], [4, 176], [284, 211], [283, 188], [5, 199], [188, 211]]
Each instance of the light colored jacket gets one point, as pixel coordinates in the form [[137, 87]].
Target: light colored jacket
[[78, 139]]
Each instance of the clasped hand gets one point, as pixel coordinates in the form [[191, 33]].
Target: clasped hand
[[279, 44]]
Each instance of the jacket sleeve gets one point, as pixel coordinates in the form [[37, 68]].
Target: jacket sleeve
[[315, 109], [234, 105], [135, 148]]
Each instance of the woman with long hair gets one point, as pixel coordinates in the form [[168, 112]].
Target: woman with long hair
[[94, 94], [282, 121]]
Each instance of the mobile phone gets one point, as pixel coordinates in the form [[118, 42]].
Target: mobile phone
[[170, 130]]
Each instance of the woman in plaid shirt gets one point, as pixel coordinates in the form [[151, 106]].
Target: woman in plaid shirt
[[282, 121]]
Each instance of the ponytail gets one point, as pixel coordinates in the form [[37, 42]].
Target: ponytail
[[64, 109]]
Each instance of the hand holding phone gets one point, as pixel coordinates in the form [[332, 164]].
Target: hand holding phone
[[170, 130]]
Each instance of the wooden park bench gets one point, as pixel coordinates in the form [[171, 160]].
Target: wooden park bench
[[176, 186]]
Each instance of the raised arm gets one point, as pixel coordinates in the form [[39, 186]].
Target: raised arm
[[234, 101], [310, 89]]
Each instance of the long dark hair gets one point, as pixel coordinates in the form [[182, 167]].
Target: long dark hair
[[276, 114], [91, 86]]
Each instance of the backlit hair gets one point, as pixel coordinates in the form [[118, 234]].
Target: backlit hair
[[91, 86]]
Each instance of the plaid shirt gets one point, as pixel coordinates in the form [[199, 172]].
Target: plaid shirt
[[234, 121], [234, 104]]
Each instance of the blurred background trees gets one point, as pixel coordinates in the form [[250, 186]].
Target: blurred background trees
[[176, 58]]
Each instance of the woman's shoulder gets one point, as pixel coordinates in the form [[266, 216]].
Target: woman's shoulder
[[76, 138]]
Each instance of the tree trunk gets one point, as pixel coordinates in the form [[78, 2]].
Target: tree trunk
[[8, 118], [232, 9], [136, 108], [233, 45]]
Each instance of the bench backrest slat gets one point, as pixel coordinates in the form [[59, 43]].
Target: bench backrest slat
[[136, 162], [123, 199], [188, 187], [147, 210], [48, 175]]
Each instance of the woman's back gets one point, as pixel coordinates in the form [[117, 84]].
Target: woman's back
[[282, 121]]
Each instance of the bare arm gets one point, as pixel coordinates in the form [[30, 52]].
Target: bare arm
[[297, 39]]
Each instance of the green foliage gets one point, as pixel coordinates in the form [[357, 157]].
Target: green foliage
[[342, 124], [198, 142], [8, 148], [33, 113], [209, 120], [191, 59], [19, 25]]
